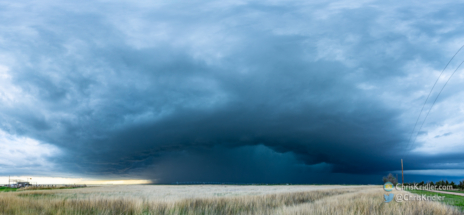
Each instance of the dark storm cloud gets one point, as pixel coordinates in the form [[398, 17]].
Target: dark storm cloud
[[253, 92]]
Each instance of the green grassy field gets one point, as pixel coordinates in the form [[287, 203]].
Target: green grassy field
[[453, 200], [7, 189]]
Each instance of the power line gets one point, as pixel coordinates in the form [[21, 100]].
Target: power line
[[428, 96], [437, 99], [428, 112]]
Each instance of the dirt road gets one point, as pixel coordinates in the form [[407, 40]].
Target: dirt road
[[446, 192]]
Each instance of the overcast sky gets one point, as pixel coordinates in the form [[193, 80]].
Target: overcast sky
[[231, 91]]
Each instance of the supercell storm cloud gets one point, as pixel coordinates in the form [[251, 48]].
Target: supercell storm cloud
[[231, 91]]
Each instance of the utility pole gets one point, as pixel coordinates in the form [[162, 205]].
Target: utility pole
[[402, 174], [9, 181]]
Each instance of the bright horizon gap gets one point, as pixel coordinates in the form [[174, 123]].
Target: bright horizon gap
[[60, 180]]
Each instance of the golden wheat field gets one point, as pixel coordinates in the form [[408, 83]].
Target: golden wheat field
[[213, 199]]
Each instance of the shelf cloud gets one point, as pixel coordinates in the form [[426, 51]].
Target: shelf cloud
[[230, 91]]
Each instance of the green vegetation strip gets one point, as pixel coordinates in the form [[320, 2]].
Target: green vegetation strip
[[450, 199], [7, 189], [48, 188]]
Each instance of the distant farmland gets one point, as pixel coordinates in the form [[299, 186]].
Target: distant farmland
[[213, 199]]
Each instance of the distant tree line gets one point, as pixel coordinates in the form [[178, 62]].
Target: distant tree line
[[441, 183], [394, 181]]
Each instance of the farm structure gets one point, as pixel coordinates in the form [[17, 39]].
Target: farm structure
[[18, 183]]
